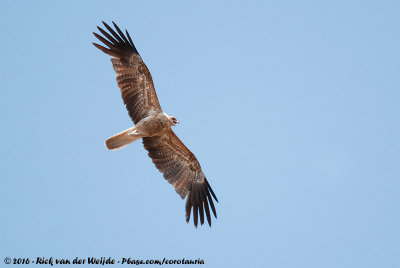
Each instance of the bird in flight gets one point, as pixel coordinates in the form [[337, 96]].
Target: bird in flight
[[170, 156]]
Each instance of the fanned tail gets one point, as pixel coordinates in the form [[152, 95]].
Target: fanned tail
[[122, 139]]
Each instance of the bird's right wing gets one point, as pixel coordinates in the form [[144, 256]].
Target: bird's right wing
[[181, 168], [133, 77]]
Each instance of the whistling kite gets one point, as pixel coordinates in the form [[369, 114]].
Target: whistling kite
[[177, 163]]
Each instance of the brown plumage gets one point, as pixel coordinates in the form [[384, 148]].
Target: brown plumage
[[177, 163]]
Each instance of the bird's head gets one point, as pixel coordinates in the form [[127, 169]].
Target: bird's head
[[173, 120]]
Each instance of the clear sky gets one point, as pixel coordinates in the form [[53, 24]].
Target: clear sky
[[291, 107]]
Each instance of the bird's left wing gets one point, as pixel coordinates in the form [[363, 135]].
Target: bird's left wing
[[133, 77], [181, 168]]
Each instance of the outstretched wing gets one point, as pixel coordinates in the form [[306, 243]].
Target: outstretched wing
[[181, 168], [133, 77]]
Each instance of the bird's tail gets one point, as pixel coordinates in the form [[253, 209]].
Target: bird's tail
[[122, 139]]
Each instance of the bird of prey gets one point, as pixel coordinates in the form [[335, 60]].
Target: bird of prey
[[170, 156]]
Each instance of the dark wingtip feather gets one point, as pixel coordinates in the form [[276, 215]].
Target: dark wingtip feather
[[120, 33], [195, 208], [120, 46], [111, 30], [211, 190], [200, 198], [105, 41], [107, 51], [105, 24], [211, 204], [206, 208], [200, 202], [129, 37], [188, 207]]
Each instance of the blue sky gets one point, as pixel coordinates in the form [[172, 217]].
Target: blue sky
[[291, 107]]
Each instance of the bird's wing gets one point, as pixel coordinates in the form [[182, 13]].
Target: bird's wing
[[133, 77], [181, 168]]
